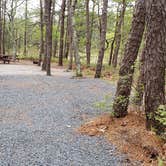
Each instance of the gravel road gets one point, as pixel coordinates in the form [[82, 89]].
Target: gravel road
[[39, 115]]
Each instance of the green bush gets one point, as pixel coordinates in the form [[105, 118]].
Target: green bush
[[161, 118]]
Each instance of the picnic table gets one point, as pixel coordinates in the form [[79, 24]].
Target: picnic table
[[5, 58]]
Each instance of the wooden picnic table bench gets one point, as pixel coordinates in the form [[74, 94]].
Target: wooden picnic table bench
[[5, 58]]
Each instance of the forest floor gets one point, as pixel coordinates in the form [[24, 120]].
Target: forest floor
[[130, 136], [39, 116]]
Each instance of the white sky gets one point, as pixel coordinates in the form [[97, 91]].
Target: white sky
[[33, 4]]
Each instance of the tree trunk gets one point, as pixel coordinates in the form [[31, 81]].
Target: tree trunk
[[118, 35], [102, 39], [70, 34], [56, 40], [0, 26], [75, 43], [4, 27], [62, 30], [88, 34], [138, 98], [121, 101], [48, 22], [41, 33], [66, 49], [45, 57], [111, 52], [155, 51], [25, 30], [12, 26]]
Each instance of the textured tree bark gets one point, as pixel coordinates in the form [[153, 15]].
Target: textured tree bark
[[4, 27], [56, 39], [45, 45], [48, 22], [155, 51], [12, 24], [41, 54], [118, 35], [75, 40], [113, 41], [62, 30], [67, 40], [111, 52], [0, 26], [45, 57], [138, 98], [102, 39], [25, 28], [70, 8], [88, 34], [121, 100], [66, 49], [76, 53]]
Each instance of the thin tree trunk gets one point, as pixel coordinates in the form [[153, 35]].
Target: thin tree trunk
[[118, 34], [111, 52], [62, 30], [113, 42], [4, 27], [75, 42], [45, 44], [41, 33], [12, 26], [25, 30], [0, 26], [45, 57], [88, 34], [102, 39], [92, 20], [99, 18], [56, 40], [66, 49], [121, 100], [70, 34], [155, 51], [48, 22]]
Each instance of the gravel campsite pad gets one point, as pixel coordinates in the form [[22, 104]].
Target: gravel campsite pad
[[39, 115]]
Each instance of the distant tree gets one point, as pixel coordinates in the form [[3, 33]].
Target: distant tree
[[25, 30], [12, 16], [0, 26], [70, 33], [118, 33], [41, 53], [75, 44], [4, 27], [48, 34], [102, 39], [88, 33], [62, 31]]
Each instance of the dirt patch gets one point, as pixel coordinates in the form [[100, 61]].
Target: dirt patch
[[129, 135]]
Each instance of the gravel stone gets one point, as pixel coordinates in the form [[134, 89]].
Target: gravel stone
[[39, 115]]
